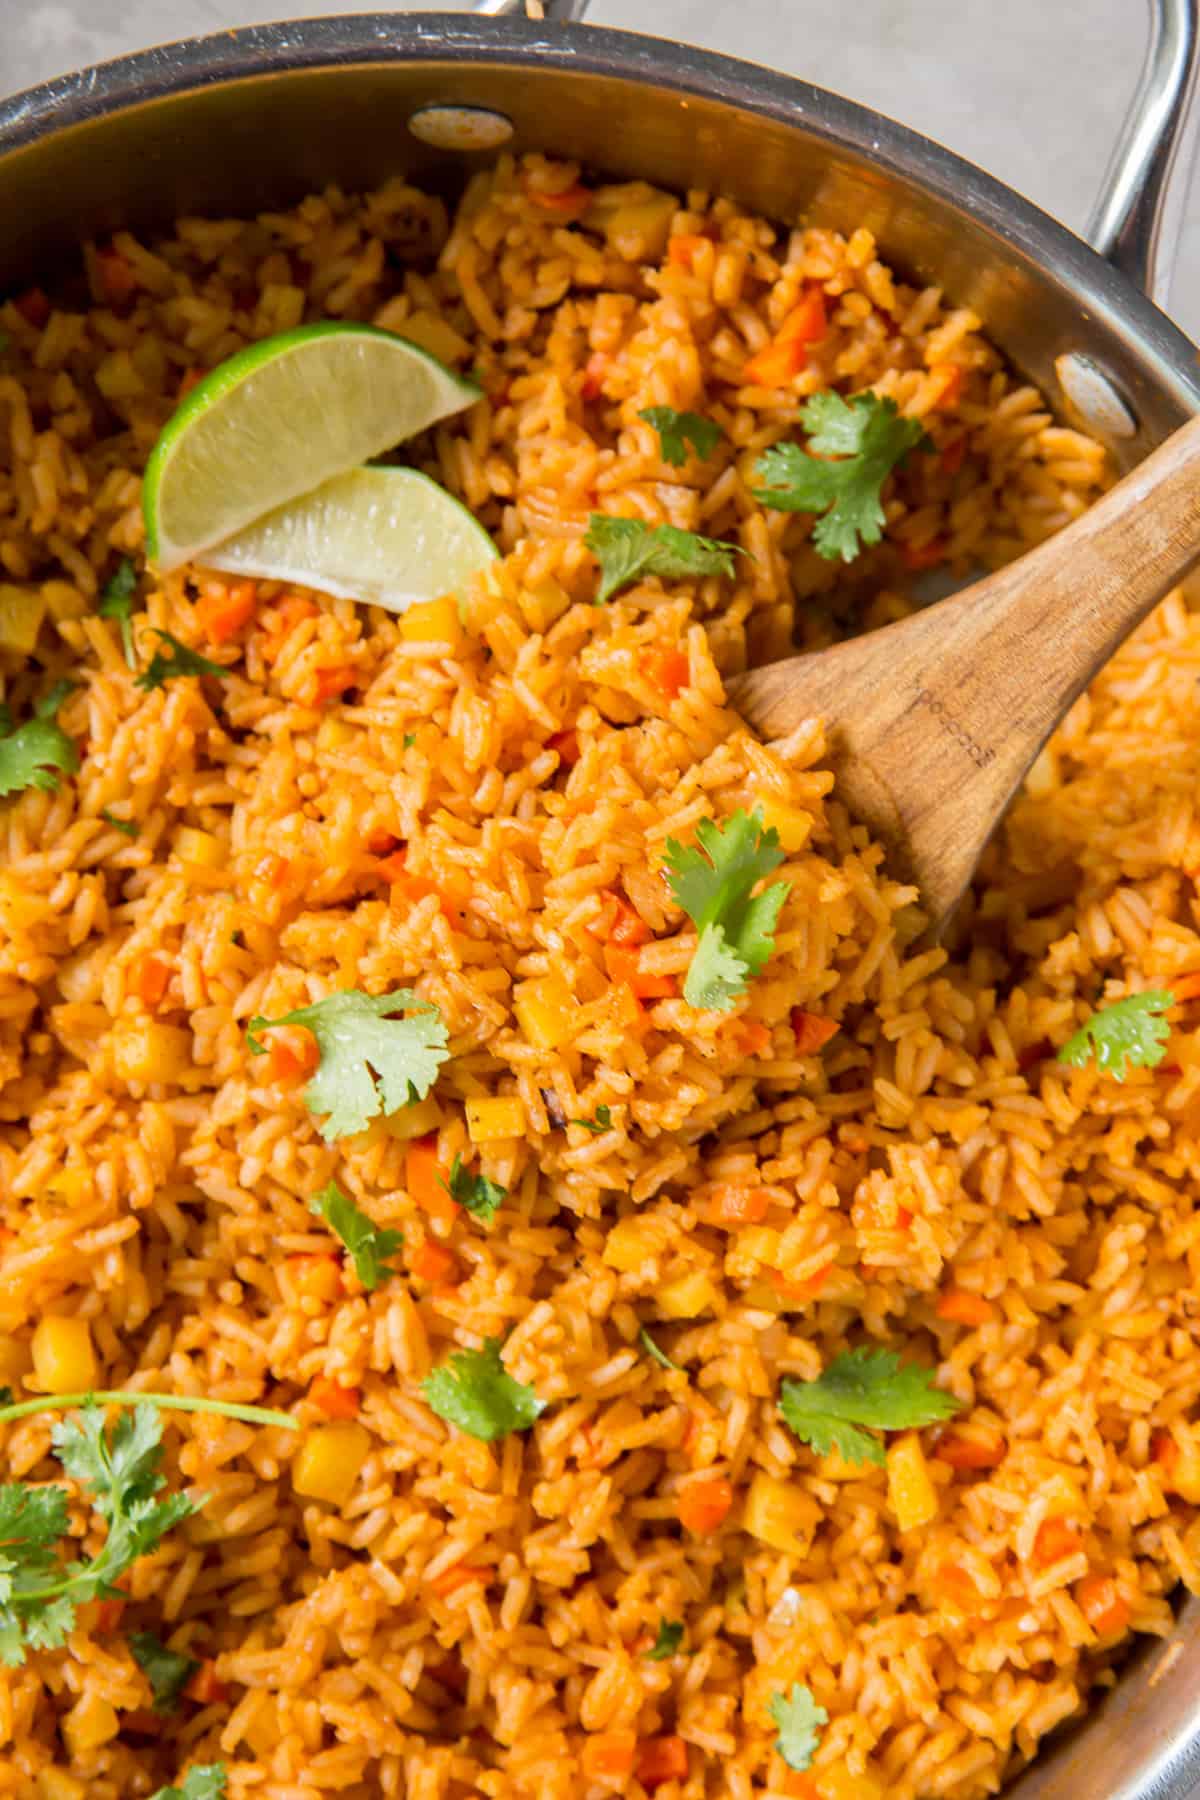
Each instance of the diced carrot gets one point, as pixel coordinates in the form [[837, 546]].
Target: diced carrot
[[153, 979], [619, 923], [108, 1616], [958, 1585], [732, 1206], [315, 1277], [1056, 1538], [703, 1504], [566, 743], [802, 1290], [752, 1037], [923, 556], [187, 381], [807, 322], [623, 966], [594, 371], [570, 200], [903, 1218], [456, 1576], [954, 455], [682, 249], [1165, 1451], [225, 610], [332, 681], [812, 1032], [964, 1308], [984, 1452], [775, 365], [1186, 987], [33, 307], [800, 1785], [608, 1754], [422, 1178], [1034, 1054], [1101, 1604], [204, 1687], [669, 670], [949, 381], [662, 1759], [292, 1053], [435, 1264], [117, 279], [334, 1400]]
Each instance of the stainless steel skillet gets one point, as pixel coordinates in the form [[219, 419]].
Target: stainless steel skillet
[[259, 117]]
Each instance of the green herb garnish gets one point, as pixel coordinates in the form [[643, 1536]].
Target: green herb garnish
[[478, 1195], [474, 1391], [868, 438], [182, 661], [871, 1388], [166, 1670], [651, 1348], [1128, 1034], [670, 1636], [117, 601], [598, 1125], [627, 549], [676, 430], [799, 1719], [714, 886], [370, 1063], [32, 755], [126, 826], [367, 1243], [203, 1781]]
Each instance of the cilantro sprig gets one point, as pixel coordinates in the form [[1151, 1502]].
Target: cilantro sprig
[[476, 1194], [33, 754], [370, 1061], [167, 1671], [715, 885], [1131, 1033], [670, 1636], [868, 439], [369, 1244], [474, 1391], [676, 430], [601, 1123], [799, 1719], [117, 602], [862, 1388], [628, 549], [652, 1350], [182, 661], [203, 1781]]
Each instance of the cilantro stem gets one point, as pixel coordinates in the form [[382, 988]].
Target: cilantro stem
[[228, 1409]]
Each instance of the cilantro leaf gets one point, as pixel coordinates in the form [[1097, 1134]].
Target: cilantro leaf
[[126, 826], [799, 1719], [181, 661], [167, 1671], [598, 1125], [370, 1062], [651, 1348], [627, 549], [1131, 1032], [475, 1392], [203, 1781], [31, 755], [713, 885], [670, 1636], [676, 430], [116, 602], [868, 438], [862, 1388], [479, 1196], [367, 1243]]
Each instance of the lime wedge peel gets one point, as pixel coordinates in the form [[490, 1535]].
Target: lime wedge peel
[[279, 419], [390, 537]]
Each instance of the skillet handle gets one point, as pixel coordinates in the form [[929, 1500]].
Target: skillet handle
[[1136, 221]]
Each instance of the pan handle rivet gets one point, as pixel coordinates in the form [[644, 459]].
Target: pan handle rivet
[[461, 127], [1094, 396]]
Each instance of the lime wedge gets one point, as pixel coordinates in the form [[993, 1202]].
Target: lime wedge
[[387, 536], [277, 420]]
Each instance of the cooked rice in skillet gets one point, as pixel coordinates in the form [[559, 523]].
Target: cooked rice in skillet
[[475, 1618]]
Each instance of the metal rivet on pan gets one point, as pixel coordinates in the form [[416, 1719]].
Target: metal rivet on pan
[[1094, 397], [461, 127]]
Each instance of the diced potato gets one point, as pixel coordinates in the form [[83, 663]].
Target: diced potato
[[334, 733], [635, 220], [70, 1186], [630, 1243], [433, 622], [59, 1784], [545, 1011], [146, 1051], [21, 614], [117, 376], [63, 1359], [911, 1494], [330, 1461], [490, 1120], [687, 1297], [414, 1121], [1185, 1477], [541, 605], [792, 823], [92, 1721], [14, 1359], [764, 1296], [193, 846], [780, 1514], [838, 1783], [435, 334], [64, 601], [759, 1243]]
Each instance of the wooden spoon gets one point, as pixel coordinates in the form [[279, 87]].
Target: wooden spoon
[[934, 721]]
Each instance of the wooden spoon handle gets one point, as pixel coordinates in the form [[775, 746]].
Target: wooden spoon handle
[[936, 719]]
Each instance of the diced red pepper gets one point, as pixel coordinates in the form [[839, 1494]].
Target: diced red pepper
[[984, 1452], [566, 744], [807, 322], [1056, 1538], [225, 610], [662, 1759], [204, 1687], [334, 1400], [153, 979], [594, 371], [669, 670], [733, 1206], [435, 1264], [333, 681], [812, 1032], [624, 966], [422, 1178], [1101, 1605], [703, 1504], [962, 1307]]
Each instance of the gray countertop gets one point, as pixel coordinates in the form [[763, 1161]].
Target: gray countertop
[[1033, 90]]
